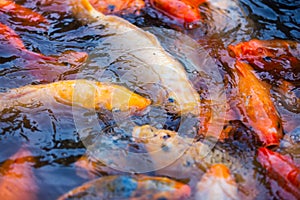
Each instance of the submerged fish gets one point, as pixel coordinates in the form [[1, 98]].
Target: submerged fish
[[175, 156], [183, 11], [217, 183], [279, 57], [134, 45], [46, 68], [82, 93], [117, 6], [257, 107], [282, 171], [17, 179], [130, 187], [24, 16]]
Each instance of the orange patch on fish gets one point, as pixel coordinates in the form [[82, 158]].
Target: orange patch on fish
[[21, 13], [257, 107], [279, 57], [17, 178], [217, 183], [181, 10], [10, 37]]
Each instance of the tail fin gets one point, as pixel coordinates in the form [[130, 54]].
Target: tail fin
[[84, 11]]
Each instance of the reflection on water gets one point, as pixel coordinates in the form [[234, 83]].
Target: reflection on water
[[51, 134]]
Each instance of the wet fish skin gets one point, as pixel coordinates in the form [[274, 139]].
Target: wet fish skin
[[279, 57], [257, 107], [24, 15], [82, 93], [17, 180], [217, 183], [183, 11], [163, 145], [282, 170], [182, 97], [115, 6], [44, 68], [130, 187]]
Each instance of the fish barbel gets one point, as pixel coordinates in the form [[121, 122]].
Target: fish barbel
[[127, 40]]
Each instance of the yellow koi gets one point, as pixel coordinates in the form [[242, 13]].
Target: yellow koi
[[82, 93]]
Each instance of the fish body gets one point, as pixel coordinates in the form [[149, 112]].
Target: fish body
[[127, 40], [217, 183], [17, 180], [257, 107], [180, 10], [279, 57], [24, 16], [187, 155], [283, 171], [82, 93], [130, 187], [115, 6]]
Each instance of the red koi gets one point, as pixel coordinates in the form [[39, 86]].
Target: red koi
[[279, 57], [281, 169], [180, 10]]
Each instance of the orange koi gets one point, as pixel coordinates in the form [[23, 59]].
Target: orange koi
[[257, 107], [279, 57], [130, 187], [17, 178], [282, 170], [82, 93], [180, 10], [217, 183]]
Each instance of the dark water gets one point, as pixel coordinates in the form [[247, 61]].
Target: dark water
[[50, 133]]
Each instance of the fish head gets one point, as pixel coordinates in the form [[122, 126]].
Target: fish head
[[163, 145], [217, 183], [183, 102]]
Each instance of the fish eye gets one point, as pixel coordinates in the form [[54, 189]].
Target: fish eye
[[267, 59], [116, 110], [166, 136], [171, 100]]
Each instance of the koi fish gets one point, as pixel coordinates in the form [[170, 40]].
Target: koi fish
[[17, 178], [182, 158], [43, 67], [217, 183], [24, 15], [130, 42], [257, 107], [279, 57], [114, 6], [183, 11], [282, 170], [130, 187], [82, 93]]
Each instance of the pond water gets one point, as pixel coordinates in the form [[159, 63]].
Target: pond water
[[51, 133]]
